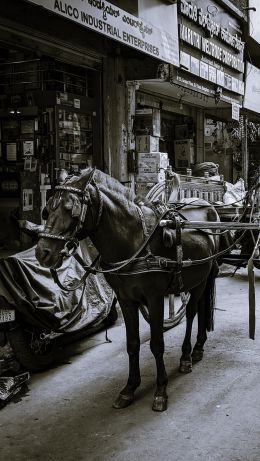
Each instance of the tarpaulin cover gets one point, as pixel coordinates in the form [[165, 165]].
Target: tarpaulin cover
[[30, 288]]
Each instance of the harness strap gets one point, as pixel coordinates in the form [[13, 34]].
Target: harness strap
[[179, 250], [149, 263], [74, 286]]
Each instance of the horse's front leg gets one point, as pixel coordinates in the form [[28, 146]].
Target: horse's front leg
[[156, 313], [131, 318]]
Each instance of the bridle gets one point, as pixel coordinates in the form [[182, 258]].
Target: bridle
[[71, 241]]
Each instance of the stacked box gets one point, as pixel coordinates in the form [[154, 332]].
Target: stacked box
[[146, 143], [150, 177], [151, 166], [152, 162], [150, 119], [142, 188]]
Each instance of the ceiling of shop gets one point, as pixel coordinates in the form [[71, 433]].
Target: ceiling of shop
[[182, 95]]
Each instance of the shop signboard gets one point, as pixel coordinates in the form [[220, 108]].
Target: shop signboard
[[235, 111], [254, 20], [252, 88], [119, 25], [212, 38]]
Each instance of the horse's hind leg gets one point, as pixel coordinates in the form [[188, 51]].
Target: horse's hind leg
[[197, 353], [191, 311], [205, 314], [156, 312], [131, 318]]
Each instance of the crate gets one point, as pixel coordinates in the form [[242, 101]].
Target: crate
[[152, 162], [150, 177], [146, 143]]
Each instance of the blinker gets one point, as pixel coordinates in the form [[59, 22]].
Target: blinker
[[56, 201]]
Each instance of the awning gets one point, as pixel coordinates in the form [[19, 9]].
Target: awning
[[204, 97]]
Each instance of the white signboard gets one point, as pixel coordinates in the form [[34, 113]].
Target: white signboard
[[109, 20], [235, 111], [252, 88], [254, 20], [27, 199]]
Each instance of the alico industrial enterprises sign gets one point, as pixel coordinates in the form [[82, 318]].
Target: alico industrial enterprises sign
[[109, 20]]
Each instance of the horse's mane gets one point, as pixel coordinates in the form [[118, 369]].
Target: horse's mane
[[105, 183]]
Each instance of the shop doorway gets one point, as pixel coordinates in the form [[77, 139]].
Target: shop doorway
[[178, 140]]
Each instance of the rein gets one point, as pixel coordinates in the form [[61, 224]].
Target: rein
[[135, 264]]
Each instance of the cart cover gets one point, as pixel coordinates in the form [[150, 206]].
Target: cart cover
[[30, 288]]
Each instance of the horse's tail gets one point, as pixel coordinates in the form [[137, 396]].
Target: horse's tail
[[210, 297]]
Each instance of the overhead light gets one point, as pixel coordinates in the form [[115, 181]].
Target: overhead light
[[15, 111]]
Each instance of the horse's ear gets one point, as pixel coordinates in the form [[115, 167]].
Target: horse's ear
[[45, 214]]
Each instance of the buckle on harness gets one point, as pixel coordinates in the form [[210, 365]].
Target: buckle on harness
[[70, 248], [163, 263]]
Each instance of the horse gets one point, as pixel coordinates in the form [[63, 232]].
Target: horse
[[97, 206]]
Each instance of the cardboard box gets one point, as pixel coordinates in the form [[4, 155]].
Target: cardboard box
[[148, 119], [150, 177], [142, 188], [146, 143], [152, 162], [184, 153]]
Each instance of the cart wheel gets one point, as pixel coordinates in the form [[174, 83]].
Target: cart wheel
[[161, 191], [32, 351], [174, 310]]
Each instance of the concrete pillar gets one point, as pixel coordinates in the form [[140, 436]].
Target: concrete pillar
[[115, 131]]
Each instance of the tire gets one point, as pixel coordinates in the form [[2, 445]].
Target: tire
[[32, 352], [174, 318]]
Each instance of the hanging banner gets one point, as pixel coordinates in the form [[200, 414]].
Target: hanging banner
[[252, 88], [254, 20], [109, 20]]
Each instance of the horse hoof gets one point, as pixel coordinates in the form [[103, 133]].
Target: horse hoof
[[160, 403], [185, 366], [123, 401], [197, 355]]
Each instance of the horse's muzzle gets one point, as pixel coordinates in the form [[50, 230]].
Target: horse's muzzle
[[44, 255]]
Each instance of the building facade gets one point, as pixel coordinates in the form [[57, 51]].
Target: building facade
[[92, 83]]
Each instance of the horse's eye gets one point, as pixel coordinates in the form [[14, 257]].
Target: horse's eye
[[73, 204]]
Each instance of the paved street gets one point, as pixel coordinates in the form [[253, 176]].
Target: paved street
[[213, 413]]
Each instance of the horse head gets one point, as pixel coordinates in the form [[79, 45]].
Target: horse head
[[65, 215]]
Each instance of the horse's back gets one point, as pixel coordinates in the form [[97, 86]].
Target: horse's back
[[198, 210]]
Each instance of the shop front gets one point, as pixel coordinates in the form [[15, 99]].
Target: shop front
[[50, 111], [63, 95], [200, 101]]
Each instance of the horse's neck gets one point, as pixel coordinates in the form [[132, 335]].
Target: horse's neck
[[119, 233]]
